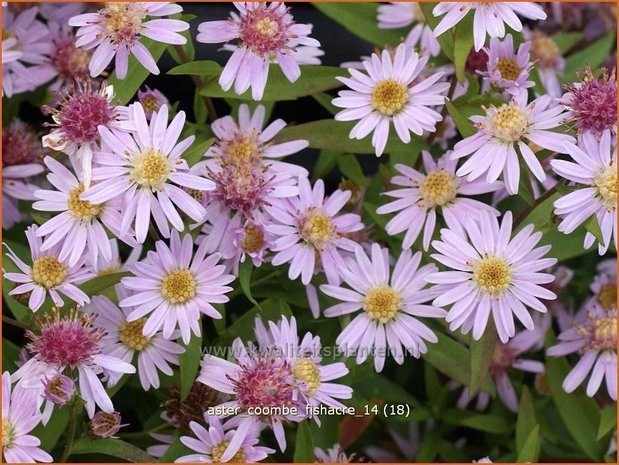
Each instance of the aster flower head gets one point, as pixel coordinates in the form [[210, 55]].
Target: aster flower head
[[115, 32], [391, 302], [592, 102], [175, 286], [59, 389], [423, 194], [508, 70], [604, 285], [83, 108], [391, 93], [490, 18], [70, 342], [48, 274], [69, 62], [145, 169], [491, 274], [395, 15], [502, 130], [211, 443], [334, 454], [267, 33], [105, 425], [595, 339], [124, 339], [308, 231], [548, 59], [594, 170], [20, 415], [152, 100]]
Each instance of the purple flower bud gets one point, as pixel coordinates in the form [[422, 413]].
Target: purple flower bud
[[151, 100], [105, 425], [59, 389]]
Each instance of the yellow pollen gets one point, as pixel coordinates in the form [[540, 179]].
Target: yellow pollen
[[607, 297], [150, 169], [179, 286], [8, 434], [382, 303], [122, 21], [438, 188], [130, 335], [605, 185], [492, 274], [253, 240], [508, 68], [196, 194], [150, 103], [605, 333], [48, 272], [389, 97], [241, 152], [317, 229], [508, 122], [267, 27], [82, 209], [356, 191], [218, 450], [306, 370]]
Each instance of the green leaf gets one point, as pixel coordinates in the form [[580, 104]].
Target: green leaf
[[481, 353], [205, 68], [113, 448], [98, 284], [608, 420], [331, 135], [313, 79], [126, 88], [325, 162], [350, 167], [195, 153], [593, 227], [567, 40], [525, 189], [361, 19], [304, 444], [463, 124], [593, 55], [463, 42], [199, 108], [445, 39], [10, 354], [325, 101], [489, 423], [529, 453], [50, 434], [189, 364], [177, 449], [188, 48], [245, 271]]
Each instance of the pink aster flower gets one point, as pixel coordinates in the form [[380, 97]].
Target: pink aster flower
[[594, 170], [592, 102], [595, 338], [490, 17], [392, 302], [25, 41], [68, 62], [152, 100], [175, 286], [391, 93], [267, 33], [422, 195], [145, 169], [105, 425], [116, 30], [21, 152], [60, 13], [123, 339], [492, 150], [70, 344], [308, 230], [396, 15], [491, 274], [548, 60], [77, 228], [334, 454], [20, 415], [604, 285], [210, 444], [83, 109], [507, 70], [48, 274]]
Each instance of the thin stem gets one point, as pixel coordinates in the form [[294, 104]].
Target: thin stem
[[12, 322], [537, 202], [199, 83], [71, 433]]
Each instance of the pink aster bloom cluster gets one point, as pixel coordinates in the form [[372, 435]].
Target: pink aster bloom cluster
[[308, 247]]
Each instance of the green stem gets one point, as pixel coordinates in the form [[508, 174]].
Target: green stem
[[12, 322], [71, 432], [549, 193], [199, 83]]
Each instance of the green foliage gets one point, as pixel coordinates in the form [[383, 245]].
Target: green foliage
[[190, 364]]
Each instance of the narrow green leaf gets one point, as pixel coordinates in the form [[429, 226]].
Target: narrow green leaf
[[113, 448], [525, 189], [567, 40], [481, 353], [189, 364], [593, 55], [199, 108], [445, 39], [463, 42], [177, 449], [529, 453], [526, 421], [50, 434], [350, 167], [195, 153], [245, 271], [97, 285], [593, 227], [205, 68], [10, 354], [489, 423], [463, 124], [608, 420], [325, 162], [325, 101], [304, 444]]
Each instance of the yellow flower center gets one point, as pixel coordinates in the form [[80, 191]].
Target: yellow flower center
[[8, 434], [150, 103], [382, 303], [607, 297], [492, 274], [122, 21], [130, 334], [243, 151], [438, 188], [545, 50], [218, 450], [605, 334], [508, 122], [179, 286], [605, 185], [306, 370], [317, 229], [253, 240], [356, 191], [150, 169], [82, 209], [508, 68], [389, 97], [48, 272], [266, 27]]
